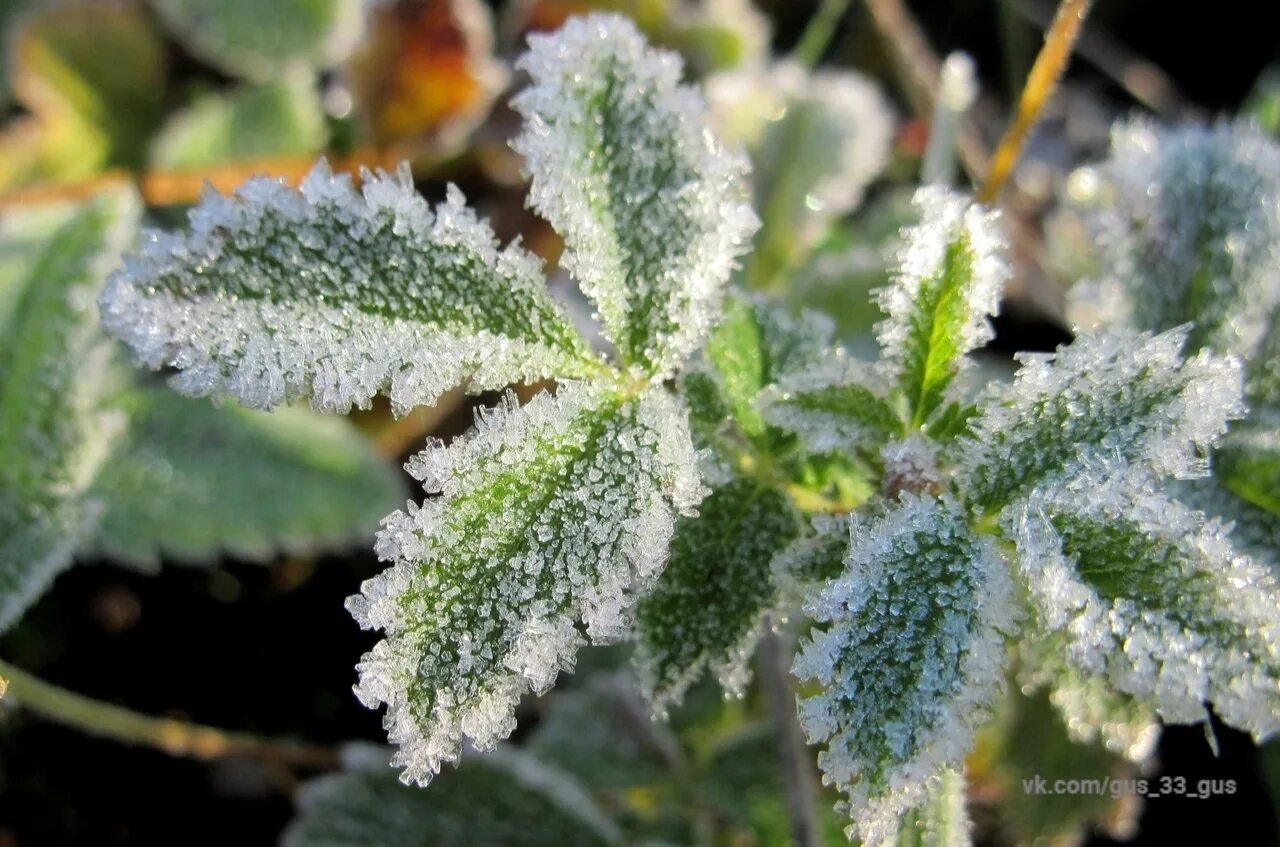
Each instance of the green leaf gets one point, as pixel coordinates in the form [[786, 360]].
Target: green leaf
[[262, 40], [707, 611], [937, 308], [25, 233], [602, 734], [279, 293], [813, 558], [829, 137], [910, 658], [834, 405], [1254, 531], [552, 513], [191, 482], [502, 799], [651, 206], [279, 118], [53, 373], [1149, 595], [755, 345], [1187, 221], [1248, 464], [941, 820], [101, 61], [1104, 401]]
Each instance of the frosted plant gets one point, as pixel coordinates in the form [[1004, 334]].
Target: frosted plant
[[1187, 223], [99, 461], [725, 457]]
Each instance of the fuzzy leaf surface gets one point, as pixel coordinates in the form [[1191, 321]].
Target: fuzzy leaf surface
[[545, 515], [54, 370], [1104, 402], [503, 799], [707, 610], [1151, 596], [338, 295], [652, 207], [938, 306], [910, 657], [190, 482]]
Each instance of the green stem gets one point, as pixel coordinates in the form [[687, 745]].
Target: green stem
[[821, 28], [794, 757], [175, 737]]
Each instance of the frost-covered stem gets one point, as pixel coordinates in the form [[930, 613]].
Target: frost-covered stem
[[175, 737], [818, 33], [957, 89], [794, 757], [919, 68], [1041, 82]]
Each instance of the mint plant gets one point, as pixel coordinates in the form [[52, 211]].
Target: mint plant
[[723, 456]]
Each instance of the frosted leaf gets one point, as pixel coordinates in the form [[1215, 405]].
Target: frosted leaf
[[191, 482], [1091, 711], [277, 294], [502, 799], [756, 344], [910, 661], [54, 372], [812, 558], [706, 611], [651, 205], [1187, 225], [937, 308], [1151, 596], [836, 404], [1104, 402], [548, 514], [1254, 531], [262, 40], [828, 137]]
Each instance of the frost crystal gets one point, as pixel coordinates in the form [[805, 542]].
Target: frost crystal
[[707, 609], [1150, 595], [651, 205], [912, 658], [835, 404], [1098, 406], [1187, 224], [279, 293], [948, 284], [555, 512]]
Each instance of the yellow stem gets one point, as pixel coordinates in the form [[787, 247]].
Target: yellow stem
[[175, 737], [1041, 83]]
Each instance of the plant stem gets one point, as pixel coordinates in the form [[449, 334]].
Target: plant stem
[[1041, 83], [175, 737], [794, 756], [819, 31], [919, 70]]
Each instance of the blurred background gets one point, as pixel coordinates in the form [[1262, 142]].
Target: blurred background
[[171, 95]]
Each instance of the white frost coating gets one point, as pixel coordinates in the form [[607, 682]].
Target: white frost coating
[[278, 293], [1188, 221], [1103, 404], [547, 514], [911, 464], [946, 219], [651, 205], [1183, 619], [823, 429], [911, 661]]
